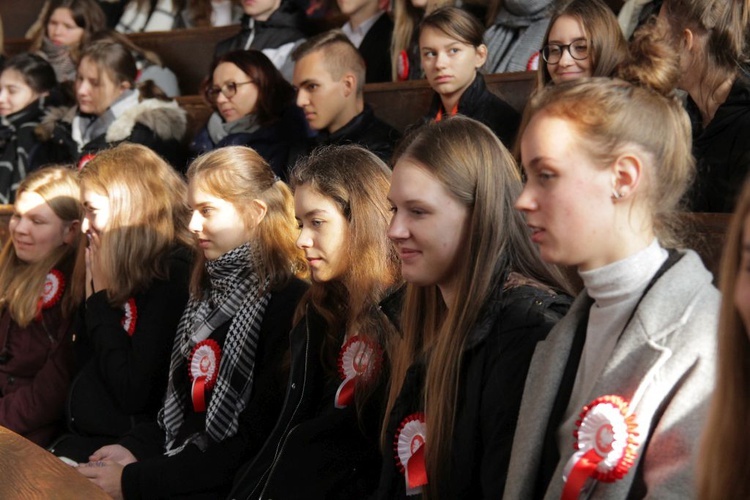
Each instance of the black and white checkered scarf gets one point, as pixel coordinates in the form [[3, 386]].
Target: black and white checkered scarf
[[236, 295]]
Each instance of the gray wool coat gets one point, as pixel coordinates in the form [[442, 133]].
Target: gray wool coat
[[667, 353]]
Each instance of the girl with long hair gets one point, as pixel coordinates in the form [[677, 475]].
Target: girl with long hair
[[477, 301], [583, 39], [723, 465], [254, 106], [331, 419], [226, 379], [616, 396], [407, 15], [137, 268], [452, 51], [38, 300], [711, 38]]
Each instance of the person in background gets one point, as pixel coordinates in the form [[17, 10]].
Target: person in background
[[450, 42], [25, 82], [407, 14], [253, 106], [477, 301], [38, 299], [711, 38], [329, 74], [583, 40], [165, 15], [111, 110], [370, 29], [137, 268]]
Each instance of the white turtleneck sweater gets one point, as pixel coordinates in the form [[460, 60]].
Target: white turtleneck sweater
[[616, 289]]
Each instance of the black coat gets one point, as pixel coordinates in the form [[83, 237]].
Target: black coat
[[284, 26], [496, 358], [722, 152], [324, 449], [18, 148], [376, 50], [482, 105], [209, 473]]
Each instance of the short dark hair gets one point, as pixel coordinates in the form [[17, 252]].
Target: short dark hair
[[35, 70]]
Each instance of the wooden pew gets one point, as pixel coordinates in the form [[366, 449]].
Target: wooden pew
[[18, 16]]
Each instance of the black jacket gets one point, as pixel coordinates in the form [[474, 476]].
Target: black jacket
[[209, 473], [282, 27], [327, 450], [722, 152], [482, 105], [18, 148], [496, 358], [376, 50]]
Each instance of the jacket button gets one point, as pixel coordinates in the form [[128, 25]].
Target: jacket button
[[538, 302], [11, 379], [294, 386]]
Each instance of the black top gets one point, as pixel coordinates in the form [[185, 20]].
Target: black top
[[376, 50], [210, 473], [282, 27]]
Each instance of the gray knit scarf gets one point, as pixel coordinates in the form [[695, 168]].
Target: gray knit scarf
[[516, 34], [60, 59], [236, 295]]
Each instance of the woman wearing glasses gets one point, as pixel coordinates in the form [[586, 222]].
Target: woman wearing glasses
[[452, 52], [253, 106], [583, 39]]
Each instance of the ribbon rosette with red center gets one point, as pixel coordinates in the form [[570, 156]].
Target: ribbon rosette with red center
[[606, 444], [358, 358], [204, 370], [52, 292], [409, 447], [129, 317]]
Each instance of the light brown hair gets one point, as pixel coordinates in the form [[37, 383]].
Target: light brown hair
[[406, 20], [87, 14], [339, 55]]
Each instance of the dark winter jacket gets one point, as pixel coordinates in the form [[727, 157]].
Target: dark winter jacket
[[376, 50], [18, 147], [495, 360], [327, 450], [482, 105], [722, 152], [123, 376], [209, 473]]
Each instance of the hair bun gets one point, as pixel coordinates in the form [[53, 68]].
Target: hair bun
[[653, 62]]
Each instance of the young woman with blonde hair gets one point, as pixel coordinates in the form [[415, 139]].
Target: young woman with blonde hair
[[38, 299], [723, 464], [337, 344], [616, 396], [137, 269], [226, 379], [477, 301]]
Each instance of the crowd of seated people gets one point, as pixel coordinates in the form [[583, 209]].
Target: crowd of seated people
[[298, 300]]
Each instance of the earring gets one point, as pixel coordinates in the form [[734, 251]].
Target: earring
[[616, 195]]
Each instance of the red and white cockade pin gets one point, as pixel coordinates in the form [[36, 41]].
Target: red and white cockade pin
[[409, 449], [52, 291], [129, 317], [606, 443], [359, 358], [204, 370], [402, 66]]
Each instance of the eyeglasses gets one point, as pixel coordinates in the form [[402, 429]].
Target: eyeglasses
[[578, 50], [228, 89]]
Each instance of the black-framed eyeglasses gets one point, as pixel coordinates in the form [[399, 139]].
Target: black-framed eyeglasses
[[578, 50], [228, 89]]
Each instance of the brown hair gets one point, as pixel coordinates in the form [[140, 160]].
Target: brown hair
[[148, 216], [113, 59], [339, 55], [357, 182], [239, 175], [473, 165], [607, 45], [275, 94], [21, 283], [406, 20], [455, 23], [723, 461], [87, 14]]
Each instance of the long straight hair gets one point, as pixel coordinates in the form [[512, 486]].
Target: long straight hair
[[471, 163], [21, 283]]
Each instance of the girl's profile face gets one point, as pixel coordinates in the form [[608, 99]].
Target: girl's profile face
[[742, 287], [216, 223], [566, 40], [96, 211], [36, 230], [427, 227], [323, 233], [15, 93], [62, 28], [567, 197], [450, 65]]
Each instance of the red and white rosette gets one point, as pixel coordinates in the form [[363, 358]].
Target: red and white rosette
[[359, 358], [204, 370], [52, 291], [533, 62], [409, 447], [402, 66], [129, 317], [606, 443]]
